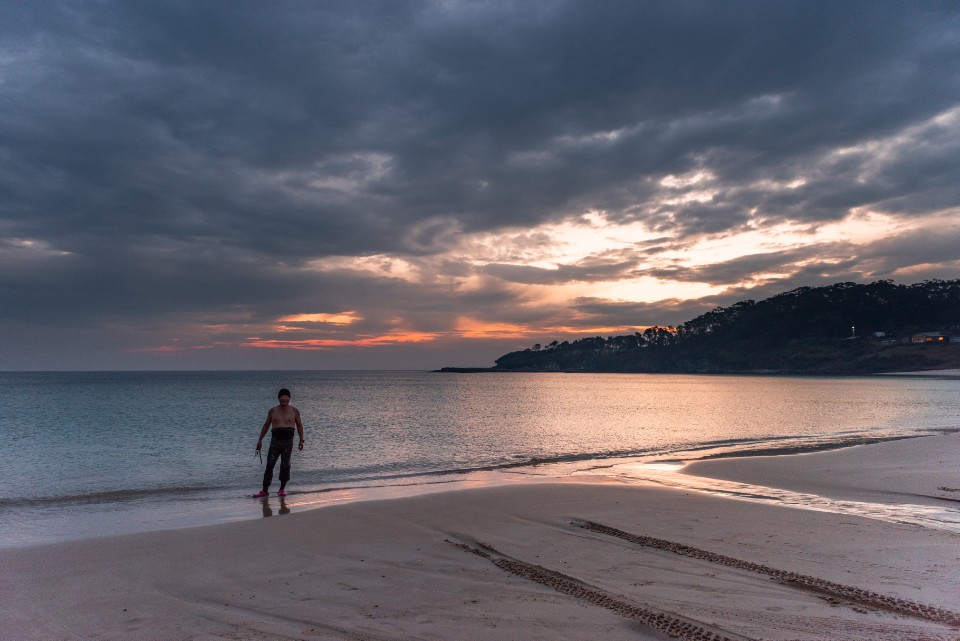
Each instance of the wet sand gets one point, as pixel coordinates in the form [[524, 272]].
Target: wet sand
[[577, 559]]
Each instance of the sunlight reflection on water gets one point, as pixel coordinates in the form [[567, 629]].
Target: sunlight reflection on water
[[146, 464]]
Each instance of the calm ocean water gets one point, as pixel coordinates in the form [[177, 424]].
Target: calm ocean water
[[92, 454]]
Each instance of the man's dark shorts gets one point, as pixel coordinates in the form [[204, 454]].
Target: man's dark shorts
[[281, 447]]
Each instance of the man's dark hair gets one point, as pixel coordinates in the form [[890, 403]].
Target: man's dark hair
[[283, 392]]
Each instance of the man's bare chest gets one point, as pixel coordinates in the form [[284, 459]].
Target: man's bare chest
[[284, 417]]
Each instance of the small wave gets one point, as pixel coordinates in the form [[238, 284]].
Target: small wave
[[361, 475], [806, 447], [725, 448], [339, 479], [93, 498], [535, 461]]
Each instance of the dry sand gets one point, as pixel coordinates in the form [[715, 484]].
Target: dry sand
[[527, 560]]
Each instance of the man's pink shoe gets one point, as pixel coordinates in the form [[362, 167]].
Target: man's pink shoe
[[282, 493], [260, 494]]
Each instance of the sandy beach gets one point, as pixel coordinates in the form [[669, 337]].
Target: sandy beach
[[578, 559]]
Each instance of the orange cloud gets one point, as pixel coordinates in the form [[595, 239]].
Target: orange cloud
[[328, 343], [343, 318], [164, 349], [470, 328], [594, 331]]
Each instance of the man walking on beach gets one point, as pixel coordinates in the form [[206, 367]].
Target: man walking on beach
[[282, 418]]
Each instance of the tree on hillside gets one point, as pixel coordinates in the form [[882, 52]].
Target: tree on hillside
[[797, 330]]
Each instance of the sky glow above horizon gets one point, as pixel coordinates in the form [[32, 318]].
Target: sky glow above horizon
[[409, 185]]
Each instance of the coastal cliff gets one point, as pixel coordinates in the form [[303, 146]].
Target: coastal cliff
[[845, 328]]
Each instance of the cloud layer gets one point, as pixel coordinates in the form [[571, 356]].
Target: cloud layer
[[181, 181]]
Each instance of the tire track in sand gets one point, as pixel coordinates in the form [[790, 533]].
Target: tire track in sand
[[670, 624], [822, 587]]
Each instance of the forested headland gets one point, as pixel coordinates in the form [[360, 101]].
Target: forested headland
[[845, 328]]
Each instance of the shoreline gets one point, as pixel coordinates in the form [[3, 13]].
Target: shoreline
[[948, 373], [464, 563], [945, 373], [51, 520]]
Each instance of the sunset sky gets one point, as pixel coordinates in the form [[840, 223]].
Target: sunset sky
[[409, 185]]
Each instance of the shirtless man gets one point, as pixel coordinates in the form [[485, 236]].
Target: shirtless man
[[283, 418]]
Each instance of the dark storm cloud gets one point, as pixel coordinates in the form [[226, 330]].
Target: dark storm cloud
[[586, 271], [610, 313], [826, 262], [190, 156], [939, 244], [733, 271]]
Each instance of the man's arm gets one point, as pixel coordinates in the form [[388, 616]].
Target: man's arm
[[299, 428], [263, 430]]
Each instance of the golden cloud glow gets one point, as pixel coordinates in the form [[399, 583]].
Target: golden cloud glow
[[595, 255], [914, 271], [343, 318], [165, 349], [379, 265], [471, 328], [312, 344], [647, 290], [592, 330]]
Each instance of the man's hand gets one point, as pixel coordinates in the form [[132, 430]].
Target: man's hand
[[301, 444], [259, 443]]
